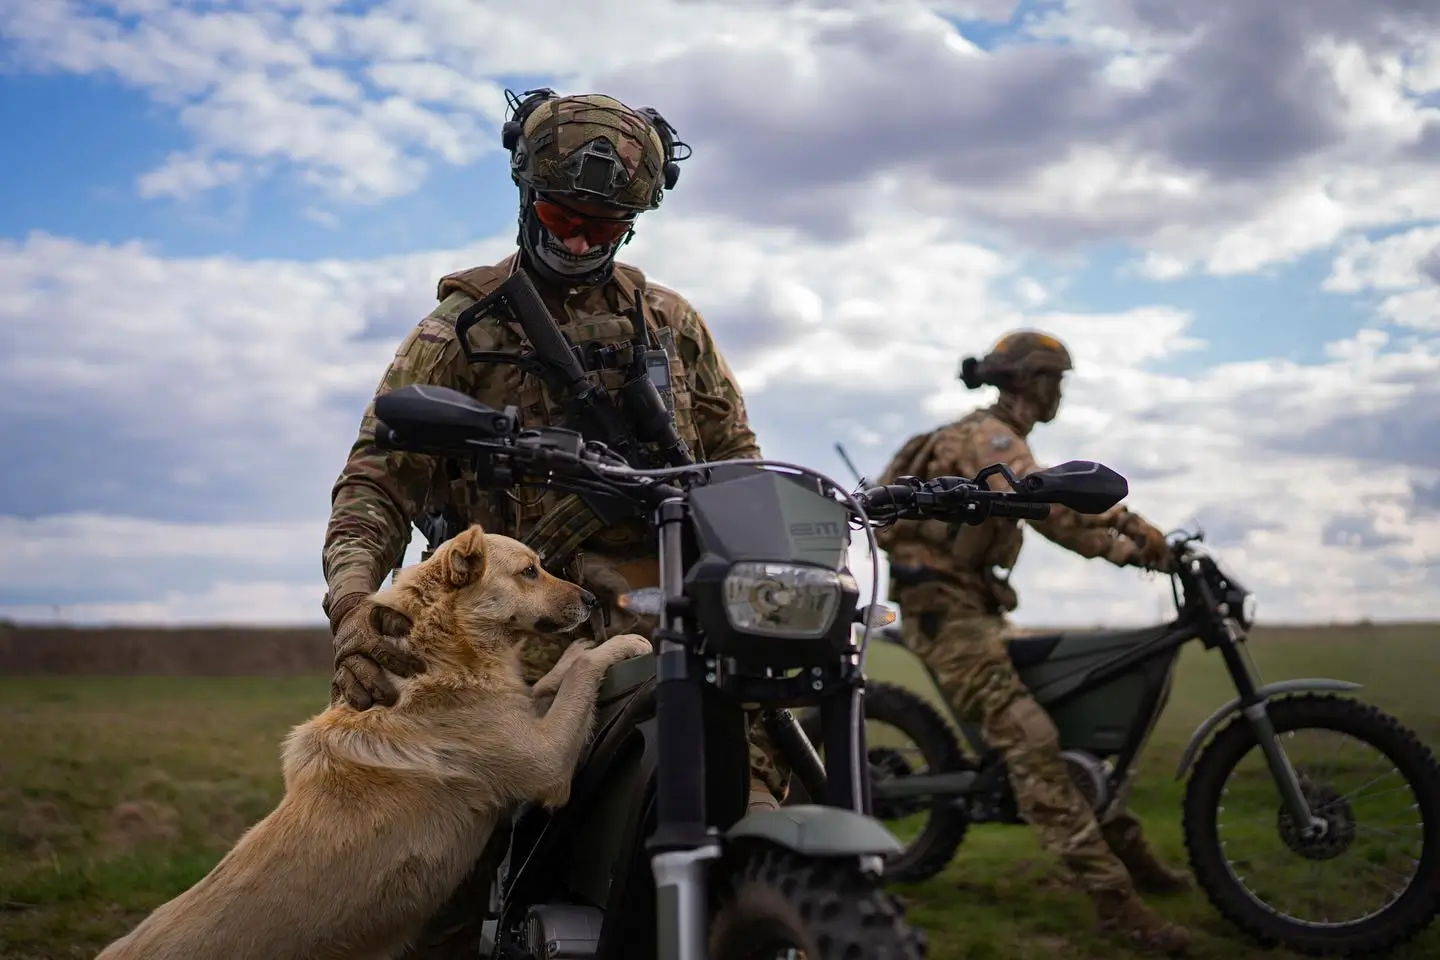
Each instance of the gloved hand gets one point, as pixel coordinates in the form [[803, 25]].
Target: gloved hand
[[609, 580], [760, 798], [602, 577], [1107, 518], [1153, 553], [362, 654]]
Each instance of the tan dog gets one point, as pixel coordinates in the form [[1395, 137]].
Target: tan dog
[[385, 810]]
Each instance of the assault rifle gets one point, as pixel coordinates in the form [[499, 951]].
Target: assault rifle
[[643, 416]]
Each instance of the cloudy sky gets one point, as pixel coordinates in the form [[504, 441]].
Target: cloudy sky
[[217, 220]]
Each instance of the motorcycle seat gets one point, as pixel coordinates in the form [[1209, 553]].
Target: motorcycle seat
[[1027, 651]]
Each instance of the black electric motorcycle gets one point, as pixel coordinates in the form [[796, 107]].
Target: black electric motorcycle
[[655, 855], [1105, 690]]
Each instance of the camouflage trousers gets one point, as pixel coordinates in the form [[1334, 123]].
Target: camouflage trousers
[[966, 650]]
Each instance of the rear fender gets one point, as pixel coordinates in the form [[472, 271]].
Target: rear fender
[[1203, 731]]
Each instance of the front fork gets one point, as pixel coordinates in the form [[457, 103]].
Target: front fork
[[1287, 781], [682, 844]]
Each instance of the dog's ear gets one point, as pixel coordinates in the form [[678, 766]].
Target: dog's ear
[[389, 622], [465, 560]]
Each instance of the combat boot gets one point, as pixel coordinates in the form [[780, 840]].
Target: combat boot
[[1124, 918], [1147, 870]]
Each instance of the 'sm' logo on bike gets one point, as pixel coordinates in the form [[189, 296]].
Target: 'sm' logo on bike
[[813, 531]]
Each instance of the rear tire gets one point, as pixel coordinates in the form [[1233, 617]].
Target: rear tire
[[1395, 924], [932, 850], [826, 907]]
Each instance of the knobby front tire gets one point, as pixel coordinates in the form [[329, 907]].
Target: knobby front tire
[[1393, 925], [776, 900]]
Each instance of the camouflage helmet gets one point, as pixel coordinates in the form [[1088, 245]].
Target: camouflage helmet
[[1016, 357], [591, 147]]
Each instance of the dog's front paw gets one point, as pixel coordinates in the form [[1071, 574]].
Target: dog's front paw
[[622, 647], [556, 795], [546, 686], [572, 653]]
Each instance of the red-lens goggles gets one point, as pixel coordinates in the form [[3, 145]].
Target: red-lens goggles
[[566, 224]]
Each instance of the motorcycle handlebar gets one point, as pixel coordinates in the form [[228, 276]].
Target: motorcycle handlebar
[[426, 418], [438, 420], [951, 499]]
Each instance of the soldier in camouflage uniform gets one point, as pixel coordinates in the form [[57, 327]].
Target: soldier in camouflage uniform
[[951, 583], [585, 166]]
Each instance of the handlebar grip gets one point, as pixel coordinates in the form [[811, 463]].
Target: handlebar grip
[[1019, 509], [889, 497]]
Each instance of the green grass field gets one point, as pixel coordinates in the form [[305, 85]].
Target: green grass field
[[117, 793]]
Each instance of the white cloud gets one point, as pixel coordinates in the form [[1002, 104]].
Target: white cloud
[[1371, 66], [183, 176], [1415, 308], [227, 359], [68, 544], [207, 339], [998, 11], [253, 603], [363, 103], [1397, 261], [837, 252], [168, 572], [1406, 265]]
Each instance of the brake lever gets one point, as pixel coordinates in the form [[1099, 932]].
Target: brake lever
[[1001, 469]]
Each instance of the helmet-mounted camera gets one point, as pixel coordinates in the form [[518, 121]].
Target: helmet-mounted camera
[[595, 171]]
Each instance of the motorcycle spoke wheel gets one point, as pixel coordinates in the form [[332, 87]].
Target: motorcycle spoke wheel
[[905, 736], [776, 904], [1369, 879]]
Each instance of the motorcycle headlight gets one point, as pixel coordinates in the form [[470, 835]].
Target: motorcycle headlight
[[1247, 611], [784, 600]]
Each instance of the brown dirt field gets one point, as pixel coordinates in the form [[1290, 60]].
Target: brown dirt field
[[162, 651], [43, 650]]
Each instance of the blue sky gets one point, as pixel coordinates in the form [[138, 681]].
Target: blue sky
[[217, 221]]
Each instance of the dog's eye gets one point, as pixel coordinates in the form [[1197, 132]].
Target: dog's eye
[[531, 572]]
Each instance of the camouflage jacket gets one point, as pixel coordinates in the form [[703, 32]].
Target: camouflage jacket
[[379, 494], [974, 562]]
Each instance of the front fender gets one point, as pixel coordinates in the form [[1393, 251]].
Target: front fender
[[817, 830], [1266, 692]]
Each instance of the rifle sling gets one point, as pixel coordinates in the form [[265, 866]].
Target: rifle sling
[[561, 531]]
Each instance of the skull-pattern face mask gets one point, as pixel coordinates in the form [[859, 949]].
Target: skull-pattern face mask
[[574, 242]]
